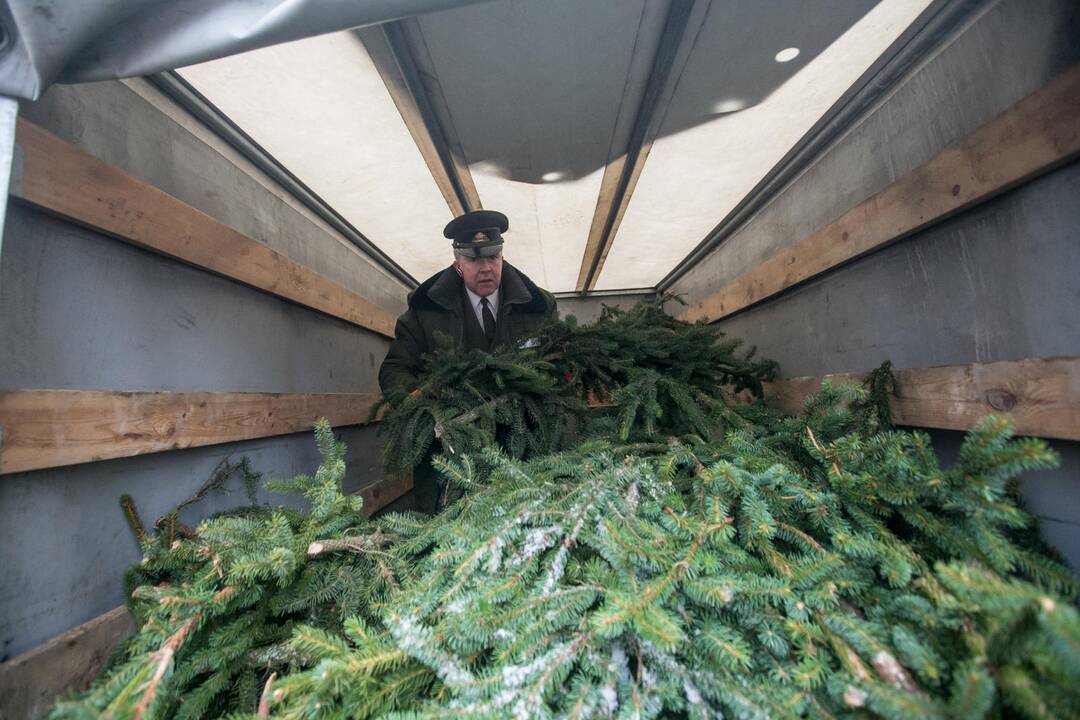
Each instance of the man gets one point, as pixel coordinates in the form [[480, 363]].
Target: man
[[479, 302]]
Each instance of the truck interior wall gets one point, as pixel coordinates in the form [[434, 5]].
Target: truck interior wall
[[1000, 281], [131, 124], [587, 308], [79, 310]]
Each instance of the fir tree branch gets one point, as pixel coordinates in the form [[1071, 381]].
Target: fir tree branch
[[817, 446], [161, 660], [263, 710], [132, 516], [357, 544]]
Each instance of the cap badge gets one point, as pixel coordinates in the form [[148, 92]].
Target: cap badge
[[479, 237]]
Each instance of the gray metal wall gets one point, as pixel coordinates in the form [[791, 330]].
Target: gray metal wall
[[82, 311], [587, 308], [130, 124], [998, 282]]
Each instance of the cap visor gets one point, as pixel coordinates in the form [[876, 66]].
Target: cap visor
[[488, 251], [477, 251]]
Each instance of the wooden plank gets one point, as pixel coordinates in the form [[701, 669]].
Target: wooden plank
[[624, 167], [31, 682], [400, 55], [1040, 395], [403, 504], [1035, 135], [62, 179], [387, 491], [52, 428]]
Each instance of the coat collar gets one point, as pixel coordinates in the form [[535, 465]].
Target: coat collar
[[443, 291]]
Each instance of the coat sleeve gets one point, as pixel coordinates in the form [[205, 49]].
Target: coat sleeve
[[402, 364]]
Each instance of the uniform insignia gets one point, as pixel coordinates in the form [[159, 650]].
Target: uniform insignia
[[479, 237]]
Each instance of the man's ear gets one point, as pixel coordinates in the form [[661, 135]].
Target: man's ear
[[457, 267]]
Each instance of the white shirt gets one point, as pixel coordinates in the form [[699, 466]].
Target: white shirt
[[478, 308]]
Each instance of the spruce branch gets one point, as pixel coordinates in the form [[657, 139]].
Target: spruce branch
[[357, 544], [636, 563], [131, 513], [161, 661], [265, 698]]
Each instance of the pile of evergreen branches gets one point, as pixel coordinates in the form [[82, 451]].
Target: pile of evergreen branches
[[813, 566], [639, 372]]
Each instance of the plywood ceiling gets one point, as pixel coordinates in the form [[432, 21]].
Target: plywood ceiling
[[540, 99]]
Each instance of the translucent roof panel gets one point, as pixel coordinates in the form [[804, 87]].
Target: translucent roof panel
[[759, 76], [320, 107], [537, 100], [535, 91]]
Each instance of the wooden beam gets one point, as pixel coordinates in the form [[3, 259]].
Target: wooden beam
[[626, 163], [1035, 135], [59, 177], [400, 55], [69, 662], [52, 428], [385, 492], [1040, 395]]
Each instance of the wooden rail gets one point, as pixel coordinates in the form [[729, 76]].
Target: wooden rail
[[52, 428], [1035, 135], [1040, 395], [59, 177], [385, 492], [31, 682]]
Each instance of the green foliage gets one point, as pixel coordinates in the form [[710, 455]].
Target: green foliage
[[472, 399], [224, 600], [765, 566], [645, 374]]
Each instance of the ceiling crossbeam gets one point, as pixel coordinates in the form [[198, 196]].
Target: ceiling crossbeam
[[624, 165], [400, 54]]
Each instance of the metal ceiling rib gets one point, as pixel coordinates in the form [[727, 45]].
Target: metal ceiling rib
[[760, 77]]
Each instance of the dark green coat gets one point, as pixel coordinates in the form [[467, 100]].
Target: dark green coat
[[440, 305]]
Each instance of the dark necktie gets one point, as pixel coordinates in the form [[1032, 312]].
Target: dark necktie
[[489, 320]]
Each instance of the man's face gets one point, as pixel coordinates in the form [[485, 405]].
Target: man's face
[[481, 275]]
